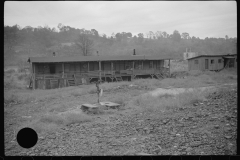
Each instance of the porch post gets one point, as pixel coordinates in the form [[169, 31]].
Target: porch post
[[100, 71], [63, 74], [169, 68], [133, 68]]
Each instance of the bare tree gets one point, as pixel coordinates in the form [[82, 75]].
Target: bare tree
[[85, 44]]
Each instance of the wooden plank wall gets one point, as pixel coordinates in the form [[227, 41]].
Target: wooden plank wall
[[201, 63]]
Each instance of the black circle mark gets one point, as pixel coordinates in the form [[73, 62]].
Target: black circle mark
[[27, 137]]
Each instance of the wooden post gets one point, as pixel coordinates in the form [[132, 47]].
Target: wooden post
[[63, 75], [169, 68], [133, 68], [100, 71]]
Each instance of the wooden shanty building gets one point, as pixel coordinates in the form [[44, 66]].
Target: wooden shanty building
[[212, 62], [57, 72]]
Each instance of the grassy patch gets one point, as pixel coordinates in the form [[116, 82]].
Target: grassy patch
[[51, 122], [10, 71], [79, 92], [148, 83], [58, 108], [120, 100], [52, 118], [41, 127], [72, 118], [163, 102]]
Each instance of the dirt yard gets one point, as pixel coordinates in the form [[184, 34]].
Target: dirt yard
[[196, 123]]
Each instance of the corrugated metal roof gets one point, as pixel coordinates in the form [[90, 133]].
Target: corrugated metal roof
[[95, 58], [210, 56]]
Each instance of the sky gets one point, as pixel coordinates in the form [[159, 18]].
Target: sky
[[198, 18]]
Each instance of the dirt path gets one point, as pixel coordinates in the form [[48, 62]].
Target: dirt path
[[204, 128]]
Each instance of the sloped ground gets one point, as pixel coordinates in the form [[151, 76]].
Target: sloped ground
[[205, 127]]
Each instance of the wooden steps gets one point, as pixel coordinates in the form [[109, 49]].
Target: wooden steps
[[71, 82]]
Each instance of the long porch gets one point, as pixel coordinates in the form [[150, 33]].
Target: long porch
[[65, 79]]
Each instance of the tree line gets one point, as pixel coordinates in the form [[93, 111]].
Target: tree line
[[66, 41]]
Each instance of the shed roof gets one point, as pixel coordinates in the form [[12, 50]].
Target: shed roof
[[94, 58], [228, 57], [212, 56]]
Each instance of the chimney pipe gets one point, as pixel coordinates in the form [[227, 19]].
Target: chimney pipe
[[134, 52], [53, 54]]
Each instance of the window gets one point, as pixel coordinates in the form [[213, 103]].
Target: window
[[212, 61], [219, 61], [196, 61]]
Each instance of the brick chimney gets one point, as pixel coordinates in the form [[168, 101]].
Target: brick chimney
[[54, 54], [134, 52]]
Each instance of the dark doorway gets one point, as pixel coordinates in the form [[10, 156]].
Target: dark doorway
[[206, 63], [231, 63], [52, 69]]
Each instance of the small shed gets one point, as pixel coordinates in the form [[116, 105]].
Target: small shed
[[212, 62]]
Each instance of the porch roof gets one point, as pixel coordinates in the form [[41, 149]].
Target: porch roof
[[95, 58]]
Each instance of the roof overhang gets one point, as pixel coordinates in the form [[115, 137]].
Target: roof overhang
[[94, 58]]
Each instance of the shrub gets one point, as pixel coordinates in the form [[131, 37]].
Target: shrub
[[10, 71], [21, 69], [21, 77], [12, 98]]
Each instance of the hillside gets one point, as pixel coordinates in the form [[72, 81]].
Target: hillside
[[21, 43]]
